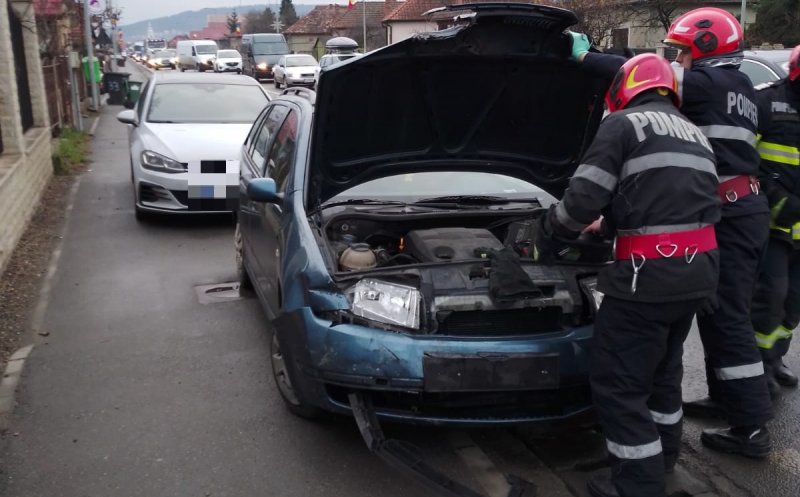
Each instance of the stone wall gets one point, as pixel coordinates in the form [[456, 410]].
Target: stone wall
[[25, 163]]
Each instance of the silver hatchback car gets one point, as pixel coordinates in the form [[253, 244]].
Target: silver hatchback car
[[185, 134]]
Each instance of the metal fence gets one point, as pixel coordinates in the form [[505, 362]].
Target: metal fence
[[57, 89]]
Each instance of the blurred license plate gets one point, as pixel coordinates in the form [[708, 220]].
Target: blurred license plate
[[490, 371]]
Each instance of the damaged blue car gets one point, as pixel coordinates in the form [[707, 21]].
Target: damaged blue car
[[386, 222]]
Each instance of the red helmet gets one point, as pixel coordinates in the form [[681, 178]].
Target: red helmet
[[708, 31], [794, 64], [641, 73]]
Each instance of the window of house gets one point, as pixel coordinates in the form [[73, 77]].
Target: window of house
[[23, 88]]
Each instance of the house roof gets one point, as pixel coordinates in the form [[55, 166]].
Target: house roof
[[318, 21], [352, 18], [48, 8], [412, 10]]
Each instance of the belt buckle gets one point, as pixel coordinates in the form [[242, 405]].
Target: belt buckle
[[755, 187], [731, 196]]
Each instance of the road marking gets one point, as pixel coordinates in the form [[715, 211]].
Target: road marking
[[493, 482]]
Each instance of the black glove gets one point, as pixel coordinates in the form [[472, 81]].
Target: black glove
[[544, 245], [709, 307]]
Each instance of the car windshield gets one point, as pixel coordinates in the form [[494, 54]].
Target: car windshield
[[417, 186], [164, 53], [206, 49], [269, 47], [335, 59], [222, 103], [228, 54], [301, 60]]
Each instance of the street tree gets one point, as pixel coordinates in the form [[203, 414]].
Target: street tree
[[233, 22], [259, 22], [777, 22], [597, 18], [287, 14]]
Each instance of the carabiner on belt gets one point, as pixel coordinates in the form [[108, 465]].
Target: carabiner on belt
[[636, 269]]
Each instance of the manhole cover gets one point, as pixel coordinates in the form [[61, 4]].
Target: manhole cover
[[220, 292]]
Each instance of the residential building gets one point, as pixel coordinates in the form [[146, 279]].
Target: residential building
[[25, 152], [407, 20]]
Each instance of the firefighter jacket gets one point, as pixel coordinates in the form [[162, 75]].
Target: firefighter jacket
[[720, 101], [779, 147], [649, 170]]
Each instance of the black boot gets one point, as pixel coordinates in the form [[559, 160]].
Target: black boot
[[774, 387], [749, 442], [601, 486], [783, 375], [704, 408]]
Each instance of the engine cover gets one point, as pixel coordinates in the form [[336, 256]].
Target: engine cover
[[446, 244]]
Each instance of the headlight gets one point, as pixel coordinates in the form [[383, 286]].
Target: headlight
[[589, 287], [386, 302], [263, 66], [157, 162]]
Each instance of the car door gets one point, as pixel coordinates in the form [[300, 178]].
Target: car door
[[254, 151], [280, 160], [264, 248]]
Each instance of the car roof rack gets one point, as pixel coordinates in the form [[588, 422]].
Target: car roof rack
[[307, 93]]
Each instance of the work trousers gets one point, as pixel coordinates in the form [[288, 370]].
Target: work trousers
[[734, 368], [636, 372], [776, 302]]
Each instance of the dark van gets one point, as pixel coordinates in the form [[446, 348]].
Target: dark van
[[261, 51]]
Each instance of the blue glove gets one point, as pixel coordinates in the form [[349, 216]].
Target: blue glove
[[580, 44]]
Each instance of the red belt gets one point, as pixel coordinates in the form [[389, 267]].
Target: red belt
[[735, 188], [685, 244]]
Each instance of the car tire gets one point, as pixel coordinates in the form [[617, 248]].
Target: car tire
[[282, 372], [241, 271], [183, 69], [277, 85]]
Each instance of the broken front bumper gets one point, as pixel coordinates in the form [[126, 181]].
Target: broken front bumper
[[431, 379]]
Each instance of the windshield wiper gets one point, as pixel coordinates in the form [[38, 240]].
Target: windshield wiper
[[356, 201]]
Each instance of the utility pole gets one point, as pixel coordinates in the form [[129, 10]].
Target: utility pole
[[364, 21], [744, 13], [87, 21], [113, 19]]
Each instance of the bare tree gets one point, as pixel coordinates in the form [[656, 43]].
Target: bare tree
[[597, 18]]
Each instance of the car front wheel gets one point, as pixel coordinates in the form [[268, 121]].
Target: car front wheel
[[282, 375], [241, 271]]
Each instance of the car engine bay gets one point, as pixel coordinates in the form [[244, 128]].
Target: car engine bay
[[469, 273]]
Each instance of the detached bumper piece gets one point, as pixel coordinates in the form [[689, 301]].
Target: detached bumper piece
[[403, 456]]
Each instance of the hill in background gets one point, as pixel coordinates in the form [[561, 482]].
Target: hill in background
[[170, 26]]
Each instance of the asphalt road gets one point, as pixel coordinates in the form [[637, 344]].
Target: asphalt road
[[140, 389]]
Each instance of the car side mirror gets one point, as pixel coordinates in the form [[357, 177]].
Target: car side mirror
[[264, 190], [128, 117]]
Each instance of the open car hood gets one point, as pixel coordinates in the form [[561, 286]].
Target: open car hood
[[496, 93]]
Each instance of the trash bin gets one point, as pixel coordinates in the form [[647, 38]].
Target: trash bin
[[116, 85], [120, 61], [98, 73], [134, 91]]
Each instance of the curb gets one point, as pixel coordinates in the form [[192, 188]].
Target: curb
[[16, 363]]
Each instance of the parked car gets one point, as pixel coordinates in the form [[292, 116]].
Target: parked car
[[330, 60], [227, 61], [185, 135], [162, 59], [197, 54], [763, 66], [383, 218], [294, 70]]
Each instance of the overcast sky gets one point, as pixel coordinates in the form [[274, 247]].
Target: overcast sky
[[139, 10]]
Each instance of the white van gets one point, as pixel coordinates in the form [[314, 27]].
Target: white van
[[196, 54]]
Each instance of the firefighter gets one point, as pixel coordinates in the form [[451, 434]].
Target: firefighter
[[652, 175], [776, 304], [720, 100]]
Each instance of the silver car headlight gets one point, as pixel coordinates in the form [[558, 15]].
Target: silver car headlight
[[157, 162], [386, 302], [589, 287]]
